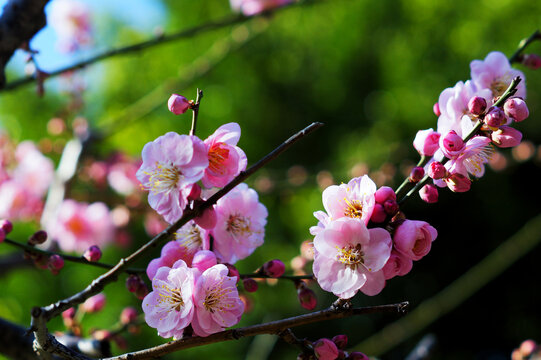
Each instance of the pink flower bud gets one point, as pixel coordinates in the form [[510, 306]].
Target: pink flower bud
[[208, 220], [128, 315], [495, 117], [39, 237], [204, 259], [133, 282], [436, 109], [274, 268], [414, 238], [92, 254], [68, 314], [250, 285], [517, 109], [232, 271], [55, 263], [2, 235], [397, 265], [141, 291], [94, 303], [426, 142], [429, 193], [178, 104], [391, 207], [378, 214], [506, 137], [477, 105], [195, 192], [532, 61], [341, 341], [451, 144], [325, 349], [384, 193], [6, 225], [357, 355], [307, 298], [417, 173], [437, 170], [458, 183]]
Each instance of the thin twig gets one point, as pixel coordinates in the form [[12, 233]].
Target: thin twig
[[274, 327], [40, 316], [195, 109], [523, 44]]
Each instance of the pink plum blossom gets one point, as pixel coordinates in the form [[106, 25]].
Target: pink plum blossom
[[473, 157], [217, 302], [178, 104], [254, 7], [71, 21], [506, 136], [517, 109], [323, 221], [426, 142], [171, 163], [204, 259], [240, 226], [226, 159], [325, 349], [414, 238], [495, 73], [347, 254], [429, 193], [169, 307], [77, 226], [17, 202], [458, 182], [95, 303], [354, 200], [121, 176], [397, 265], [33, 171], [451, 144]]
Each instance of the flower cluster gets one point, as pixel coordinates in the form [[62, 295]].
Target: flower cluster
[[350, 252], [460, 148], [203, 296]]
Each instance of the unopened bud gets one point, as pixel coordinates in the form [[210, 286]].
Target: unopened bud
[[94, 303], [195, 192], [436, 109], [341, 341], [383, 194], [274, 268], [232, 271], [133, 282], [417, 173], [307, 297], [356, 355], [141, 291], [477, 105], [39, 237], [2, 235], [325, 349], [391, 206], [458, 183], [495, 117], [55, 263], [6, 225], [204, 259], [178, 104], [92, 254], [250, 285], [516, 108], [506, 137], [128, 315], [429, 193], [532, 61], [378, 214], [437, 170], [451, 144], [68, 314]]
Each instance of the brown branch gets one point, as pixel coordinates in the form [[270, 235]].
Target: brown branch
[[15, 343], [162, 39], [40, 316], [20, 21], [273, 327]]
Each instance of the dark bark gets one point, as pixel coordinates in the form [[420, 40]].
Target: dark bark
[[15, 343], [21, 20]]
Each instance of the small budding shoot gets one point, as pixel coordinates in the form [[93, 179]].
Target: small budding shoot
[[178, 104], [274, 268], [92, 254]]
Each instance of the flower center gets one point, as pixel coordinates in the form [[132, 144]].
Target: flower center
[[351, 256], [474, 164], [190, 238], [499, 85], [169, 298], [76, 225], [354, 209], [238, 225], [217, 297], [163, 179], [218, 153]]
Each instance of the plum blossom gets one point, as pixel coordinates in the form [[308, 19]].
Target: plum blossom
[[171, 163], [323, 221], [413, 239], [217, 301], [169, 307], [18, 202], [349, 256], [240, 226], [77, 226], [426, 142], [354, 200], [254, 7], [34, 171], [226, 160], [397, 265], [71, 21], [121, 176], [473, 157], [496, 74]]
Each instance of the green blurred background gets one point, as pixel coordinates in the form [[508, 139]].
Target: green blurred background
[[369, 70]]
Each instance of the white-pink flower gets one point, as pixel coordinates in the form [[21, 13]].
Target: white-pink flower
[[169, 307], [226, 160], [354, 199], [240, 226], [77, 226], [17, 202], [217, 302], [34, 171], [348, 256], [253, 7], [495, 73], [121, 175], [414, 238], [71, 21], [171, 163], [323, 221]]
